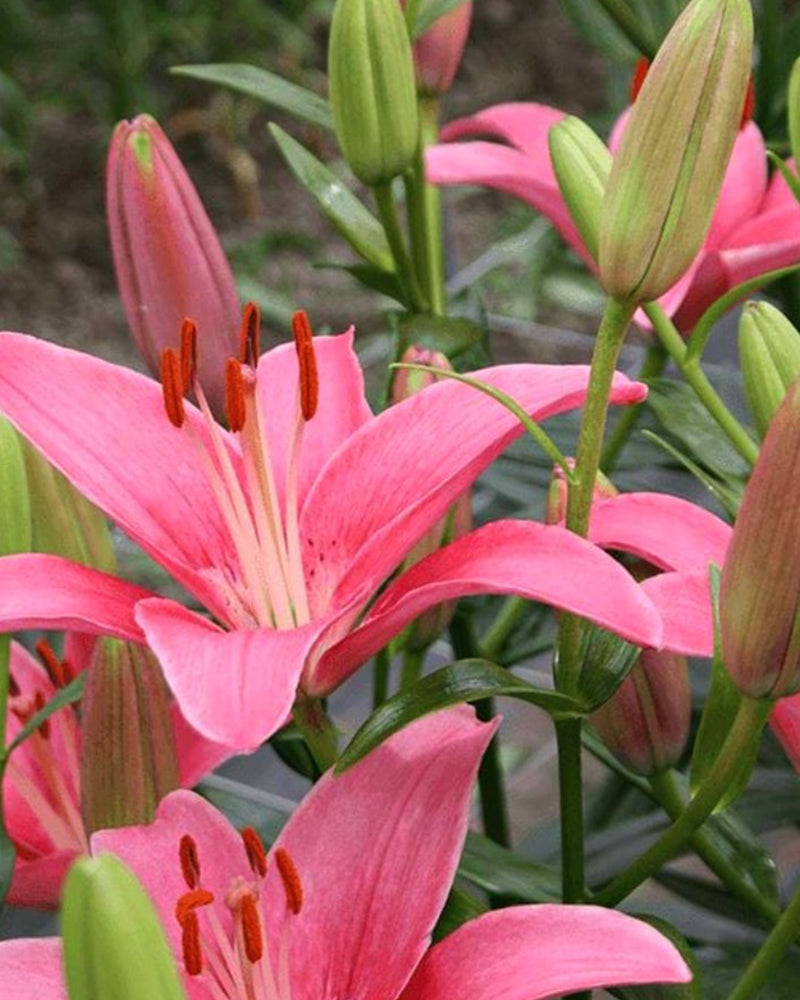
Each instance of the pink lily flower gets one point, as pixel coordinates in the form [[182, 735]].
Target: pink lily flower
[[367, 858], [437, 53], [286, 527], [755, 228], [41, 785]]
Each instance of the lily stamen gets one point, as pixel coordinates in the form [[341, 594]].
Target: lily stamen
[[292, 885], [172, 386]]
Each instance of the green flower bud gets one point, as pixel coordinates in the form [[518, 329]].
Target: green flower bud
[[129, 762], [114, 944], [794, 113], [582, 164], [15, 508], [759, 596], [669, 168], [769, 349], [372, 89], [645, 723], [557, 493]]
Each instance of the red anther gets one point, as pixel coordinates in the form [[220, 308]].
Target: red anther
[[190, 901], [307, 362], [39, 702], [254, 846], [749, 104], [188, 353], [235, 409], [638, 78], [52, 664], [250, 335], [172, 386], [190, 941], [190, 861], [251, 928], [290, 877]]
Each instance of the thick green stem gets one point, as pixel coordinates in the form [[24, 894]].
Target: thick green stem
[[782, 936], [318, 731], [751, 718], [627, 22], [380, 677], [653, 365], [432, 208], [666, 788], [568, 737], [697, 380], [387, 209], [413, 662]]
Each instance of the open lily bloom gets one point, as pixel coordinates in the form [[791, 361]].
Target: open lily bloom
[[41, 785], [755, 228], [367, 859], [285, 527]]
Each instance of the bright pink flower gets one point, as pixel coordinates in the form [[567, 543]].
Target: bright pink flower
[[41, 785], [367, 859], [755, 228], [286, 529], [437, 53], [167, 256]]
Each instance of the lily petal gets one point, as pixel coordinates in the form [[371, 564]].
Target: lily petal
[[523, 124], [30, 969], [37, 883], [542, 562], [743, 187], [785, 722], [684, 601], [539, 952]]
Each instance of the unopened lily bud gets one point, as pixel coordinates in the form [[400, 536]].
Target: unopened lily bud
[[129, 762], [167, 257], [437, 52], [557, 493], [794, 112], [15, 509], [769, 349], [114, 943], [582, 164], [670, 165], [458, 520], [759, 596], [645, 723], [372, 91]]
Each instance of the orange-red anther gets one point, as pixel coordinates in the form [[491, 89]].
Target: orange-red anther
[[39, 702], [638, 78], [251, 928], [52, 664], [235, 409], [190, 941], [190, 901], [190, 861], [307, 362], [250, 335], [172, 386], [256, 854], [290, 877], [188, 353]]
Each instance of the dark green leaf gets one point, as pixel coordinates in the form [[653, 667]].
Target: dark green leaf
[[729, 494], [504, 873], [464, 681], [64, 696], [738, 844], [430, 12], [264, 86], [665, 991], [354, 222], [459, 908], [370, 277], [452, 335], [710, 896], [7, 856], [246, 806], [723, 973]]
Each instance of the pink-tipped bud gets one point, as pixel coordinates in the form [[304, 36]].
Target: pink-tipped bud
[[645, 723], [759, 598], [458, 520], [556, 505], [437, 53], [167, 257]]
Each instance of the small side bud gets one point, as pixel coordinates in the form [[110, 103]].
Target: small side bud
[[769, 349], [372, 91], [759, 597], [129, 761], [557, 494], [582, 164], [438, 52], [114, 944], [670, 165]]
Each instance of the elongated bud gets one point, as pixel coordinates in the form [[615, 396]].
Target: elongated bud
[[15, 508], [760, 586], [669, 168], [114, 944], [167, 257], [437, 52], [373, 97], [645, 723], [769, 350], [557, 493], [129, 761], [458, 520], [794, 112], [582, 164]]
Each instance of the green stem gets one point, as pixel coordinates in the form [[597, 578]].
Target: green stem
[[653, 365], [407, 277], [667, 789], [496, 636], [415, 212], [380, 677], [751, 718], [318, 731], [703, 389], [432, 208], [627, 22], [413, 662], [782, 936], [568, 737]]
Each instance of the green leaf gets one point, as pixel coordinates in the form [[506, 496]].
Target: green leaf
[[452, 335], [665, 991], [723, 973], [7, 858], [463, 681], [729, 497], [459, 908], [370, 277], [733, 838], [264, 86], [64, 696], [354, 222], [606, 660], [430, 12], [502, 872], [246, 806]]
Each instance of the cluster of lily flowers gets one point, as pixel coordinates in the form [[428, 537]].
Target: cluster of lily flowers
[[298, 525]]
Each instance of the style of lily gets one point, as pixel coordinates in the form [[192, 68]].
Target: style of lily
[[755, 227], [41, 788], [285, 526], [367, 858]]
